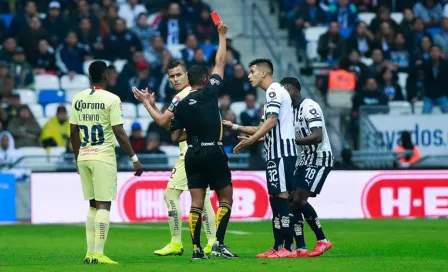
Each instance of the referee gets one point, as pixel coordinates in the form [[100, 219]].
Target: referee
[[197, 119]]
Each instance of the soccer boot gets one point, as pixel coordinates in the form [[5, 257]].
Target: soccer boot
[[172, 248], [320, 248], [198, 254], [282, 253], [223, 252], [101, 259], [299, 254], [89, 257], [266, 254]]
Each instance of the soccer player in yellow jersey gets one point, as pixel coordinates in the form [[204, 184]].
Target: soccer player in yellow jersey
[[177, 184], [96, 121]]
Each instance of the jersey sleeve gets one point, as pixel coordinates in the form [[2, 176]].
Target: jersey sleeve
[[73, 120], [273, 101], [116, 112], [174, 103], [312, 116], [214, 84]]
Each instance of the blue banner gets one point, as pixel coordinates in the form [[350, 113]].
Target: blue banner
[[8, 198]]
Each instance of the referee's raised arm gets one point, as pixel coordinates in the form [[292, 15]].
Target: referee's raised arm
[[220, 60]]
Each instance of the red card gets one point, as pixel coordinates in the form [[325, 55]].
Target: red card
[[215, 17]]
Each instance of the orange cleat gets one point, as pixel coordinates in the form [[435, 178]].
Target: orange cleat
[[266, 254], [320, 248], [282, 253], [299, 254]]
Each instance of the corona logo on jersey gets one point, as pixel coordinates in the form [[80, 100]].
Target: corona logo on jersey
[[142, 198], [406, 195], [81, 105]]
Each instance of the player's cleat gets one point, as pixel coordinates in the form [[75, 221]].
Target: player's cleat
[[266, 254], [223, 252], [89, 257], [299, 254], [101, 259], [199, 254], [170, 249], [320, 248], [282, 253], [208, 249]]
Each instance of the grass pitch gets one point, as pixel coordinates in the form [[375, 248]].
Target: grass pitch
[[358, 245]]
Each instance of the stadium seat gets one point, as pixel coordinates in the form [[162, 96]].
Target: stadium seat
[[50, 82], [51, 96], [312, 35], [397, 17], [57, 150], [175, 50], [127, 125], [144, 122], [32, 157], [37, 110], [238, 108], [32, 151], [129, 110], [367, 61], [366, 17], [70, 94], [86, 64], [50, 109], [7, 18], [42, 121], [418, 108], [402, 78], [399, 108], [27, 96], [341, 99], [78, 83], [119, 64], [311, 51], [433, 31], [173, 153]]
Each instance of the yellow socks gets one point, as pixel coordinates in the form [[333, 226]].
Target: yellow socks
[[209, 219], [90, 229], [174, 214], [101, 230], [222, 220], [194, 222]]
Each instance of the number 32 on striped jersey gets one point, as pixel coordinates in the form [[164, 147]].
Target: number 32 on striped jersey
[[96, 135]]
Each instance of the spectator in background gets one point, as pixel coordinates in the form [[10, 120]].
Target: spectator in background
[[249, 117], [8, 49], [83, 11], [370, 95], [102, 9], [71, 55], [112, 76], [230, 136], [45, 60], [137, 140], [347, 163], [361, 40], [383, 15], [430, 11], [55, 24], [12, 107], [153, 54], [199, 57], [229, 46], [24, 128], [20, 23], [415, 85], [332, 46], [192, 9], [3, 31], [56, 131], [237, 86], [187, 53], [399, 54], [353, 64], [205, 29], [230, 63], [90, 38], [6, 81], [436, 81], [385, 37], [142, 80], [407, 152], [108, 22], [129, 12], [417, 34], [224, 103], [8, 152], [164, 134], [307, 16], [390, 87], [129, 70], [407, 25], [121, 43], [366, 5], [21, 70], [344, 12], [153, 147], [422, 53], [441, 39], [173, 28], [143, 30], [29, 40]]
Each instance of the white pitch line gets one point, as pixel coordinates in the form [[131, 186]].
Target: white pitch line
[[165, 228]]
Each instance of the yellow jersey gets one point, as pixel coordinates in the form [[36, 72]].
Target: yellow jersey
[[96, 111], [180, 95]]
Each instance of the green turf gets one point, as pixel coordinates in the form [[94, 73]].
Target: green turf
[[358, 245]]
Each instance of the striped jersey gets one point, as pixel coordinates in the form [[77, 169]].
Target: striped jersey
[[279, 142], [308, 115]]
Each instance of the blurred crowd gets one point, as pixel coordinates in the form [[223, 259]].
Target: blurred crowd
[[57, 37]]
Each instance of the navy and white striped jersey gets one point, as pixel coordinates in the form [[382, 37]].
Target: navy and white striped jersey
[[279, 142], [307, 115]]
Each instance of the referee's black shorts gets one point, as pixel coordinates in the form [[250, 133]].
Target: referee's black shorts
[[207, 166]]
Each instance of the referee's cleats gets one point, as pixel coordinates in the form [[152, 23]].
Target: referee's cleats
[[172, 248], [198, 254], [89, 257], [320, 248], [223, 252]]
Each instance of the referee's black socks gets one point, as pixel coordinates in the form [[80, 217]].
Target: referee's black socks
[[313, 221], [222, 220], [195, 221], [284, 218], [276, 225]]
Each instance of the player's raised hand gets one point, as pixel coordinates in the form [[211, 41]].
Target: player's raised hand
[[138, 168], [144, 96], [222, 28], [227, 124]]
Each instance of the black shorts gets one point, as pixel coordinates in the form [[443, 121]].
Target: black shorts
[[312, 178], [280, 175], [208, 166]]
